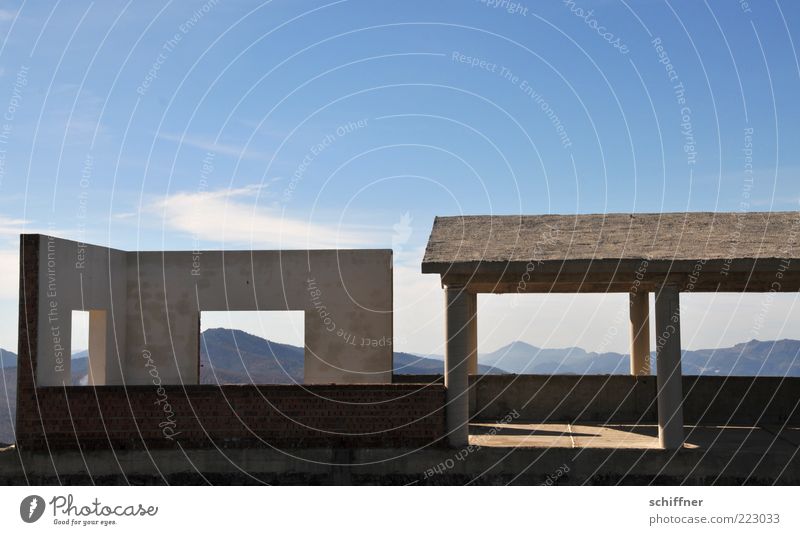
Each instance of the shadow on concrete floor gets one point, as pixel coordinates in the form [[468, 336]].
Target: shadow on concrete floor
[[631, 436], [522, 430]]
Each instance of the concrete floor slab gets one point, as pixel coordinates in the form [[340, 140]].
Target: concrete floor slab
[[633, 436], [531, 435], [428, 466]]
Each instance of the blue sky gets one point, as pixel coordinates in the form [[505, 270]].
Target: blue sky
[[234, 124]]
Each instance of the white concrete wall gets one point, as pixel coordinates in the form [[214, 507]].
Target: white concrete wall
[[75, 276], [157, 297]]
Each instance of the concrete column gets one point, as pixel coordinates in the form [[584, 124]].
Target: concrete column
[[472, 329], [98, 347], [668, 368], [458, 351], [640, 333], [472, 360]]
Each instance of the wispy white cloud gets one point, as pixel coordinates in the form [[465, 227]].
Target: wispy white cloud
[[239, 216], [11, 227], [9, 267], [7, 14], [209, 145], [778, 200], [262, 129], [123, 215]]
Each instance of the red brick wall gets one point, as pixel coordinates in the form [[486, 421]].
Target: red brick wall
[[234, 416]]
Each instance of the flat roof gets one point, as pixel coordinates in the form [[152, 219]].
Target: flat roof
[[599, 249]]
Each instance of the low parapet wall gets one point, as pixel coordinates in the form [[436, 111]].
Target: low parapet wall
[[625, 398], [208, 416]]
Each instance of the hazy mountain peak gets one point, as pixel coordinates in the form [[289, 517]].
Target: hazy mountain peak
[[222, 331], [518, 345]]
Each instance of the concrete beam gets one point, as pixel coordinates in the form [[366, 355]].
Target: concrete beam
[[668, 368], [618, 275], [460, 348], [640, 333]]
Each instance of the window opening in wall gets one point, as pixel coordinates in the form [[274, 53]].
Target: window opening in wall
[[88, 347], [252, 347], [79, 340]]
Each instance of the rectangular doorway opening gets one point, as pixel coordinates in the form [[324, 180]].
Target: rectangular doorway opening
[[88, 347], [79, 348], [252, 347]]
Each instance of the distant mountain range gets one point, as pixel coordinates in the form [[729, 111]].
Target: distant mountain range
[[232, 356], [778, 358]]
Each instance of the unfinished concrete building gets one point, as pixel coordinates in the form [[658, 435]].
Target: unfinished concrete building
[[144, 349], [144, 310], [635, 254]]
